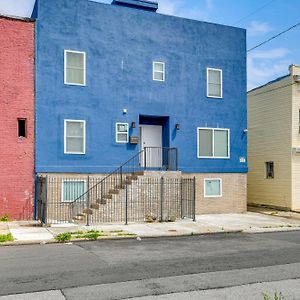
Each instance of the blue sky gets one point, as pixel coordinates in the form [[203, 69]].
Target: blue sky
[[265, 63]]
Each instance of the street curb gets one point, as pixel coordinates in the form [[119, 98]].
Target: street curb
[[111, 238]]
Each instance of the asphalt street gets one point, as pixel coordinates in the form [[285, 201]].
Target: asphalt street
[[131, 268]]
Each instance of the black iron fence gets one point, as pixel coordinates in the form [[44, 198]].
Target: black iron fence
[[136, 198]]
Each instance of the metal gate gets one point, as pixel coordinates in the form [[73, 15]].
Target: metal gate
[[41, 199]]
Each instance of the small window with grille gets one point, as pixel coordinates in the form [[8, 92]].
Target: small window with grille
[[270, 170], [22, 128]]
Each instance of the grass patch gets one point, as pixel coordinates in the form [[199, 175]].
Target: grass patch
[[77, 232], [90, 235], [6, 238], [63, 237], [4, 218], [277, 296]]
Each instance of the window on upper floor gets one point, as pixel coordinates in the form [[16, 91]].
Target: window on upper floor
[[74, 133], [75, 69], [214, 83], [212, 187], [158, 71], [122, 132], [213, 143], [72, 189], [22, 130], [269, 170]]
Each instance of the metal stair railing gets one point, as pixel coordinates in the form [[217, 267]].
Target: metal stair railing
[[149, 159]]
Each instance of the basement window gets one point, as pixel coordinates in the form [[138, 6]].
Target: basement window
[[270, 170], [212, 187], [22, 128], [73, 190]]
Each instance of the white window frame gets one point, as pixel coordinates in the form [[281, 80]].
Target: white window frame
[[65, 136], [213, 142], [221, 188], [127, 133], [162, 72], [207, 83], [65, 67], [71, 180]]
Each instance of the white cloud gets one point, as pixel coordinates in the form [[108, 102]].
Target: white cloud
[[21, 8], [258, 28], [264, 66]]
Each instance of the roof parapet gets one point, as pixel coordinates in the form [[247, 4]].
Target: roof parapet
[[138, 4]]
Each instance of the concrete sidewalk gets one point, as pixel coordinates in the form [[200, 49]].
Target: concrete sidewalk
[[29, 232]]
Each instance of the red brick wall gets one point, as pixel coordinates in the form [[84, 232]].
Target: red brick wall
[[16, 101]]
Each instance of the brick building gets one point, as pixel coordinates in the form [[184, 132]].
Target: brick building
[[16, 117]]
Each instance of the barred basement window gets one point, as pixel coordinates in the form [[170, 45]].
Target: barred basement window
[[72, 190], [270, 170], [22, 128]]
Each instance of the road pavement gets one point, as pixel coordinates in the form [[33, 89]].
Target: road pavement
[[132, 268]]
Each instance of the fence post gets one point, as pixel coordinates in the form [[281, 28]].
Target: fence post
[[145, 158], [161, 198], [126, 204], [88, 202], [181, 197], [176, 159], [194, 199], [45, 205], [121, 177]]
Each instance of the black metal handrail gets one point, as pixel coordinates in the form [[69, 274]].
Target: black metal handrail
[[150, 158]]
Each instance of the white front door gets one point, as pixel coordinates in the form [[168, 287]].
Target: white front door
[[151, 139]]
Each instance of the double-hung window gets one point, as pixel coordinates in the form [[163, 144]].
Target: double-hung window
[[213, 143], [75, 67], [73, 189], [74, 133], [158, 71], [212, 187], [214, 83], [122, 132]]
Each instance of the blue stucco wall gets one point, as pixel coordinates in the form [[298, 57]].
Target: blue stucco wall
[[111, 35]]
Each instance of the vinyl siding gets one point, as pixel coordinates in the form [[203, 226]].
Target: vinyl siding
[[269, 139], [296, 143]]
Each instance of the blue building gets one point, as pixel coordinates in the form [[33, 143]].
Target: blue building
[[113, 79]]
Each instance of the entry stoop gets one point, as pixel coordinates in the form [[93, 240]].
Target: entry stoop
[[164, 174]]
